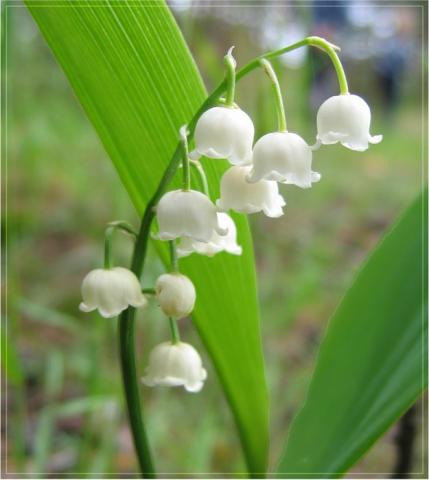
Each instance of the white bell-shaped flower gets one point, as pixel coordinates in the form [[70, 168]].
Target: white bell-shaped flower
[[218, 243], [345, 119], [184, 213], [244, 197], [225, 132], [175, 365], [176, 294], [111, 291], [283, 157]]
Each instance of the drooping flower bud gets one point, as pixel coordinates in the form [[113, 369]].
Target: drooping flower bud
[[244, 197], [218, 243], [283, 157], [187, 214], [223, 132], [176, 294], [175, 365], [111, 291], [345, 119]]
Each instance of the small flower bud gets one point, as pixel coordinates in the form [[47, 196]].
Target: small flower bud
[[223, 132], [187, 214], [175, 294], [175, 365], [283, 157], [345, 119], [111, 291], [218, 243], [239, 195]]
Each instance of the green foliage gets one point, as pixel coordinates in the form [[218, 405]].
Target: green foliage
[[10, 360], [136, 80], [370, 367]]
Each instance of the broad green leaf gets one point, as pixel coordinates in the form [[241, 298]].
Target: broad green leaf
[[370, 368], [133, 74]]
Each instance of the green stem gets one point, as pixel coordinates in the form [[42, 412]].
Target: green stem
[[330, 50], [127, 318], [202, 174], [149, 291], [108, 234], [127, 328], [173, 256], [124, 226], [281, 117], [230, 78], [174, 330], [127, 352], [185, 160]]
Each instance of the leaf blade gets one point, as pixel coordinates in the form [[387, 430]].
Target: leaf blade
[[137, 82], [353, 398]]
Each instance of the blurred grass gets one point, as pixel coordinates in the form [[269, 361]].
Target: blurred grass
[[62, 190]]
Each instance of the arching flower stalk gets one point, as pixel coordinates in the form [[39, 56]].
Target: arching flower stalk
[[220, 130]]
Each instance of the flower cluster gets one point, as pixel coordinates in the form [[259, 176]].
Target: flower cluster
[[192, 223]]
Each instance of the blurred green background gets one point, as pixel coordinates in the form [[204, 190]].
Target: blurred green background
[[62, 398]]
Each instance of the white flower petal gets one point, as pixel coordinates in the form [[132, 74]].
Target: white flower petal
[[244, 197], [282, 157], [85, 308], [315, 177], [111, 291], [187, 214], [223, 132], [176, 294], [375, 139], [217, 243], [345, 119], [174, 365], [194, 155]]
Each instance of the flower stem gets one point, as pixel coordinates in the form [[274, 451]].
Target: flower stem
[[124, 226], [281, 116], [127, 327], [185, 159], [173, 256], [108, 234], [330, 50], [230, 78], [131, 387], [148, 291], [202, 174], [174, 330], [127, 318]]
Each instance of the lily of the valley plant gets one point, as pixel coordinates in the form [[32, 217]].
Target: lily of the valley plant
[[192, 222]]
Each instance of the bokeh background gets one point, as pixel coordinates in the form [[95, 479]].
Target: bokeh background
[[62, 403]]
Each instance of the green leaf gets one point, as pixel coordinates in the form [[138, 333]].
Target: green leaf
[[133, 74], [370, 367]]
